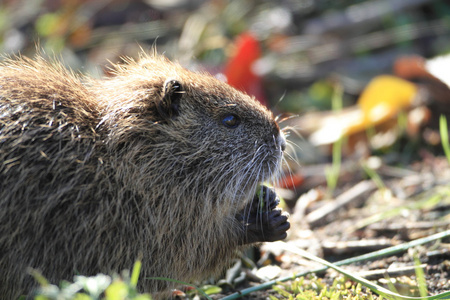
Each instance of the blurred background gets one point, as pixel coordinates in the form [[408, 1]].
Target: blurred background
[[358, 85], [299, 44]]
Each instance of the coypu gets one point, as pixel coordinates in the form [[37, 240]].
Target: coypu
[[155, 162]]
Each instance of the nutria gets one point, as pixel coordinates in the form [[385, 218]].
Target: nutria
[[155, 162]]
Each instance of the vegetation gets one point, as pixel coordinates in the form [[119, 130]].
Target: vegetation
[[329, 60]]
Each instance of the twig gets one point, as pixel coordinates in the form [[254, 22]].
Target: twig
[[361, 246], [392, 272], [342, 200]]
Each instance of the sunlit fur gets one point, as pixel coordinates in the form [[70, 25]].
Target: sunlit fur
[[92, 178]]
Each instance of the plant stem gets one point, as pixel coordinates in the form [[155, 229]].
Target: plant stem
[[364, 257], [443, 129]]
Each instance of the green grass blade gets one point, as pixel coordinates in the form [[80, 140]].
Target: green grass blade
[[443, 129], [373, 175], [420, 277], [373, 287], [369, 256], [135, 274], [332, 173]]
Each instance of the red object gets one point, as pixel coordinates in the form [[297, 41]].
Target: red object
[[239, 71], [411, 66], [291, 181]]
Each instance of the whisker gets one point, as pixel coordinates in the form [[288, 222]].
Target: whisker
[[291, 175], [288, 118], [277, 117], [294, 159], [259, 178], [289, 129], [281, 98]]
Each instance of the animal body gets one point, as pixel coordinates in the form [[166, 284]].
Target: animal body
[[154, 163]]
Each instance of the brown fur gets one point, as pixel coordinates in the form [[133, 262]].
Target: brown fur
[[95, 174]]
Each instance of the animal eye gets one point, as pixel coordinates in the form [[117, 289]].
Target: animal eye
[[231, 121]]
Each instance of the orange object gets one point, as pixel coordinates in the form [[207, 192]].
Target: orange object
[[239, 71], [383, 98], [291, 181], [410, 67]]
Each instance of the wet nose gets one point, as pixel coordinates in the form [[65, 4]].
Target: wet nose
[[281, 139]]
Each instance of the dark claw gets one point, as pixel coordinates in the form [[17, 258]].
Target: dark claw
[[264, 222], [276, 218]]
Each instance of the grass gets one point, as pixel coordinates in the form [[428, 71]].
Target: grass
[[313, 288], [300, 286], [443, 129], [373, 175], [332, 172], [99, 287], [379, 290], [104, 287], [420, 275], [440, 196], [366, 257]]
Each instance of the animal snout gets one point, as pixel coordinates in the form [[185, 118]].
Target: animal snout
[[278, 136]]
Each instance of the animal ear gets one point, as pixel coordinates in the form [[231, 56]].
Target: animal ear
[[169, 104]]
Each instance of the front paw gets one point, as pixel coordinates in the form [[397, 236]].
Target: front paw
[[265, 199], [263, 222], [268, 226]]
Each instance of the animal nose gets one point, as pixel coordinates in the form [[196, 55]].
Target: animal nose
[[281, 139]]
